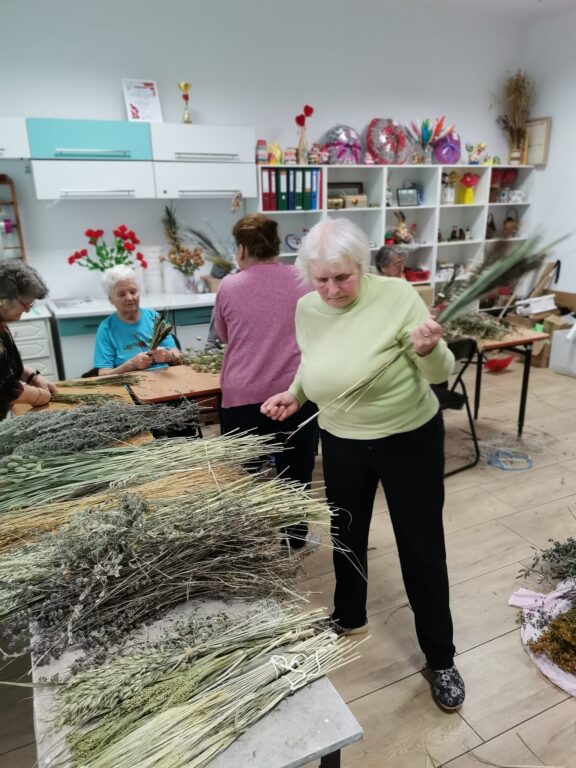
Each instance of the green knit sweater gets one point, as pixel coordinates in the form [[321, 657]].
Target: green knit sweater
[[340, 346]]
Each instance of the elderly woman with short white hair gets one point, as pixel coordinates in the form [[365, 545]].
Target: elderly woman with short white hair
[[123, 339], [392, 433]]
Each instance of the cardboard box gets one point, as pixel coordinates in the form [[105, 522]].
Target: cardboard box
[[565, 299], [427, 293], [541, 349]]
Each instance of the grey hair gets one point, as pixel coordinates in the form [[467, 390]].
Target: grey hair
[[334, 242], [19, 280], [385, 255], [114, 275]]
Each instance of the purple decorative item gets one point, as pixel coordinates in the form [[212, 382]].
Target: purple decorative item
[[388, 142], [344, 146], [447, 150]]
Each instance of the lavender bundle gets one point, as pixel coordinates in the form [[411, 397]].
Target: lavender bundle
[[87, 427]]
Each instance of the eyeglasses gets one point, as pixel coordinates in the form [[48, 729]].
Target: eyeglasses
[[26, 306]]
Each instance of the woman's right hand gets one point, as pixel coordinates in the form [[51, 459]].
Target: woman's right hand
[[280, 407], [141, 361]]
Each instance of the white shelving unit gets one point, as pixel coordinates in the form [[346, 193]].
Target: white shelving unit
[[432, 220]]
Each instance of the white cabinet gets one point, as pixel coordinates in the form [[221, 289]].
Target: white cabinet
[[202, 143], [447, 234], [33, 338], [98, 179], [13, 138], [189, 180]]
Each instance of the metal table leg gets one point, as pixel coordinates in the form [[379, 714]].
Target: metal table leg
[[478, 384], [524, 390], [331, 761]]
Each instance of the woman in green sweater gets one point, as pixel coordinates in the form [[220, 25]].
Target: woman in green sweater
[[392, 433]]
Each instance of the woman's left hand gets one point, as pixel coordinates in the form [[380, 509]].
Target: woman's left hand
[[425, 337]]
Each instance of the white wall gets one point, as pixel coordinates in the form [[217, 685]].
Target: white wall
[[251, 63], [549, 52]]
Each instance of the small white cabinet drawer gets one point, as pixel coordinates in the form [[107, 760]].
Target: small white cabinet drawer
[[28, 330], [79, 180], [202, 143], [189, 180], [45, 365], [34, 348], [13, 138]]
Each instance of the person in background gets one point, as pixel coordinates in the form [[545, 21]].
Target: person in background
[[391, 432], [254, 318], [20, 287], [390, 262], [123, 339]]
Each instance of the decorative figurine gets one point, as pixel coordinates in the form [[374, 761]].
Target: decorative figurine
[[453, 234], [461, 234], [274, 154], [185, 88], [369, 159], [474, 152], [314, 155], [290, 156], [401, 232]]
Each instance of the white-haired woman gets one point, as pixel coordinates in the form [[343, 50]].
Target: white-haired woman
[[20, 286], [123, 339], [393, 434]]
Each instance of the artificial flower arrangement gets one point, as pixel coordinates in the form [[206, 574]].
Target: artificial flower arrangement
[[300, 120], [184, 259], [122, 252], [468, 180], [427, 133]]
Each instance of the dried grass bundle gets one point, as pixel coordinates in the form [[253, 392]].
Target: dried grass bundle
[[148, 679], [72, 476], [109, 570], [116, 380], [205, 362], [193, 733], [517, 97], [160, 330], [83, 398], [22, 526]]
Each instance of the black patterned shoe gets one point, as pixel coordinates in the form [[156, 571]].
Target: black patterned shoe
[[448, 688]]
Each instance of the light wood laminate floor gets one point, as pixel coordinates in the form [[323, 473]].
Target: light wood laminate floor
[[494, 521]]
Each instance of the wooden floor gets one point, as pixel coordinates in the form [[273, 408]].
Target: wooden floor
[[494, 521]]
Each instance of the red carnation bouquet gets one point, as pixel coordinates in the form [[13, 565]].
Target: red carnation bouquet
[[122, 252]]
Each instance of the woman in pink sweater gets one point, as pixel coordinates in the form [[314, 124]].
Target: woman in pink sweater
[[254, 317]]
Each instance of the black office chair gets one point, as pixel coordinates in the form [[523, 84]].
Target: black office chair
[[453, 394]]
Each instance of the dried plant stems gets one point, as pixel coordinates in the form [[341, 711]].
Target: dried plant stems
[[161, 329], [87, 427], [67, 476], [193, 733], [205, 362], [109, 570], [116, 380], [22, 526], [83, 398]]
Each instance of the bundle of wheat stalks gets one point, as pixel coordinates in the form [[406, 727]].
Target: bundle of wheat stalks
[[112, 568], [184, 699]]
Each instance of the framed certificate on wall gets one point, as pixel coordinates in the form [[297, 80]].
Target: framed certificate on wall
[[142, 102], [538, 132]]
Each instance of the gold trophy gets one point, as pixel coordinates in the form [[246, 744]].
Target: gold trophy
[[185, 88]]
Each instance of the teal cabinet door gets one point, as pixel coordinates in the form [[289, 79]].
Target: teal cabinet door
[[54, 139]]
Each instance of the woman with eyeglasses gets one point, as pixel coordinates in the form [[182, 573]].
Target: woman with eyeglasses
[[20, 286]]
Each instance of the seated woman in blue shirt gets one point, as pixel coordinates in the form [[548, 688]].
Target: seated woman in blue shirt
[[123, 339]]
